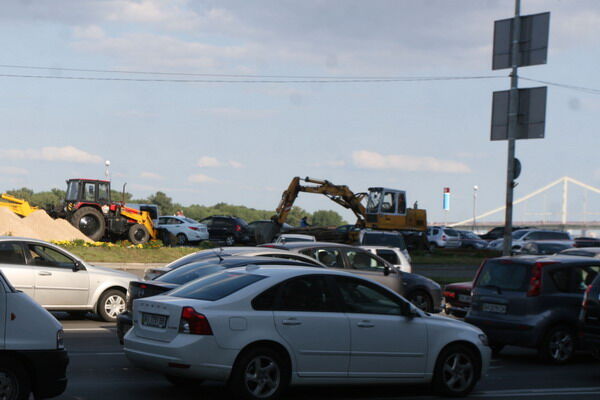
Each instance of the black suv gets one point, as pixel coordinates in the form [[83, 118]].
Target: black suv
[[590, 318], [228, 229], [532, 301]]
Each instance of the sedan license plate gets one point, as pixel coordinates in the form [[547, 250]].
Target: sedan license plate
[[496, 308], [154, 320], [465, 298]]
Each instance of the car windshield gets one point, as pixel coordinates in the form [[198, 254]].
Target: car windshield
[[188, 273], [469, 235], [382, 239], [215, 286], [190, 221], [519, 234], [504, 275], [295, 239]]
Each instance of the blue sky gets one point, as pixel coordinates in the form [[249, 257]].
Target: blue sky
[[242, 143]]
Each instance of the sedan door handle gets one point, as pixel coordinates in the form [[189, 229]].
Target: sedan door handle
[[44, 273], [291, 322], [365, 324]]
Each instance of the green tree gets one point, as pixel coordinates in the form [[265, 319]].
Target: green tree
[[23, 193], [327, 218], [164, 202]]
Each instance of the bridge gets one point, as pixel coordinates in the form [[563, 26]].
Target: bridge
[[549, 219]]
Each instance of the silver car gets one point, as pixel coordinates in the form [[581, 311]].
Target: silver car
[[60, 281], [184, 229]]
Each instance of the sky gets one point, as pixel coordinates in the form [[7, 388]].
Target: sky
[[242, 142]]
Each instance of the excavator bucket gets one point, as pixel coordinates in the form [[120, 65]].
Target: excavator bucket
[[18, 206]]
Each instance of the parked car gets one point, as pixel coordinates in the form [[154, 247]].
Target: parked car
[[227, 229], [184, 229], [520, 237], [260, 329], [152, 273], [33, 357], [60, 281], [369, 237], [543, 247], [469, 240], [583, 252], [179, 276], [457, 298], [498, 232], [587, 242], [393, 255], [532, 301], [422, 292], [589, 317], [264, 231], [294, 237], [441, 236]]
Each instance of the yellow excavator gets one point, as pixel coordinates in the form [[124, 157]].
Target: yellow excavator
[[18, 206], [386, 209]]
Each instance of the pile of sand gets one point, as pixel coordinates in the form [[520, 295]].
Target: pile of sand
[[38, 225]]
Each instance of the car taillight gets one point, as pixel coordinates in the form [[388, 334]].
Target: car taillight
[[586, 295], [238, 228], [194, 228], [193, 322], [444, 237], [450, 294], [535, 282]]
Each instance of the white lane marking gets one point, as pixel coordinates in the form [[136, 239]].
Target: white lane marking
[[85, 353], [89, 329]]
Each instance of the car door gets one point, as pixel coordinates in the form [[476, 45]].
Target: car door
[[369, 266], [308, 318], [59, 279], [384, 342], [13, 265], [331, 257]]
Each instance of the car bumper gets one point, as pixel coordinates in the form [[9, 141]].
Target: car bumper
[[124, 324], [501, 330], [49, 369], [190, 356], [456, 309]]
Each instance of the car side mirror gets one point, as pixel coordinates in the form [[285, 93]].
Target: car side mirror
[[386, 271], [410, 311], [78, 266]]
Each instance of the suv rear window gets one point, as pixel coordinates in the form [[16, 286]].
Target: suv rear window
[[504, 275], [382, 239], [216, 287]]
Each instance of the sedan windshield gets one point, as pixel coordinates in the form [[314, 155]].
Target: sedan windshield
[[188, 273], [216, 286]]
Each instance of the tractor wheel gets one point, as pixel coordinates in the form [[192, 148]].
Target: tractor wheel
[[138, 234], [90, 222]]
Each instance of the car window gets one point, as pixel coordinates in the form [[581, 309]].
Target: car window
[[219, 222], [363, 297], [519, 234], [103, 192], [89, 192], [383, 239], [11, 253], [583, 277], [436, 231], [215, 287], [207, 221], [190, 221], [388, 205], [46, 257], [561, 278], [451, 232], [330, 256], [162, 221], [292, 257], [505, 276], [266, 300], [306, 293], [363, 260], [389, 256]]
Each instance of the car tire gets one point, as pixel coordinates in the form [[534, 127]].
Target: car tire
[[183, 382], [230, 240], [457, 370], [259, 366], [90, 222], [15, 383], [138, 234], [182, 240], [111, 304], [421, 300], [558, 345]]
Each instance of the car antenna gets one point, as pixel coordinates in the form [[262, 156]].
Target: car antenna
[[219, 254]]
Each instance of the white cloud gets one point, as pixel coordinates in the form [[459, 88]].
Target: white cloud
[[66, 153], [237, 113], [151, 176], [236, 164], [330, 164], [201, 178], [372, 160], [6, 170], [209, 162]]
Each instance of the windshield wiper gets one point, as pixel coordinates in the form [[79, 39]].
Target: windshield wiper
[[498, 288]]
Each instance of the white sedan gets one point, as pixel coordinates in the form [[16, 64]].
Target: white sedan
[[184, 229], [261, 329]]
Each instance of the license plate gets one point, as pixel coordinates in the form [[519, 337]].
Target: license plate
[[154, 320], [465, 298], [496, 308]]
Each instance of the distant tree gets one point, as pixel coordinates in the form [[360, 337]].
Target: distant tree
[[327, 218], [23, 193], [164, 202], [115, 195]]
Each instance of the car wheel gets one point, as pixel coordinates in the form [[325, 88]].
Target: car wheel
[[90, 222], [230, 240], [421, 300], [182, 239], [259, 373], [558, 345], [14, 381], [456, 371], [111, 304], [181, 381]]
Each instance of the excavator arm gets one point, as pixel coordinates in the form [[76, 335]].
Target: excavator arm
[[341, 194], [18, 206]]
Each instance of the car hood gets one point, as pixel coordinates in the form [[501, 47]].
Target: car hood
[[459, 286], [111, 272], [453, 323]]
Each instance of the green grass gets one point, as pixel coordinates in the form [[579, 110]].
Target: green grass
[[453, 256], [126, 255]]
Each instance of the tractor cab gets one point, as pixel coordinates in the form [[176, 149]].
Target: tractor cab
[[386, 210], [88, 191]]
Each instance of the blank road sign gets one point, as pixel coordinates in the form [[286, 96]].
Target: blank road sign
[[533, 41], [531, 120]]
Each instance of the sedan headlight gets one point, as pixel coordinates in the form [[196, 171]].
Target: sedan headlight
[[60, 343], [484, 339]]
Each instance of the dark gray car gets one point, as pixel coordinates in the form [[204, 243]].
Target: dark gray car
[[421, 291], [532, 301]]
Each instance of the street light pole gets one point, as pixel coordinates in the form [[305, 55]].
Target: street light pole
[[475, 189]]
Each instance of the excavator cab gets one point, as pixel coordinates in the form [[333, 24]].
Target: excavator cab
[[386, 209]]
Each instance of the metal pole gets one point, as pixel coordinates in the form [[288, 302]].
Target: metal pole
[[475, 188], [513, 112]]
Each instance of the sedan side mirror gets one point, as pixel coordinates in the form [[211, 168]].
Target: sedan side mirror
[[386, 270], [78, 266], [410, 311]]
